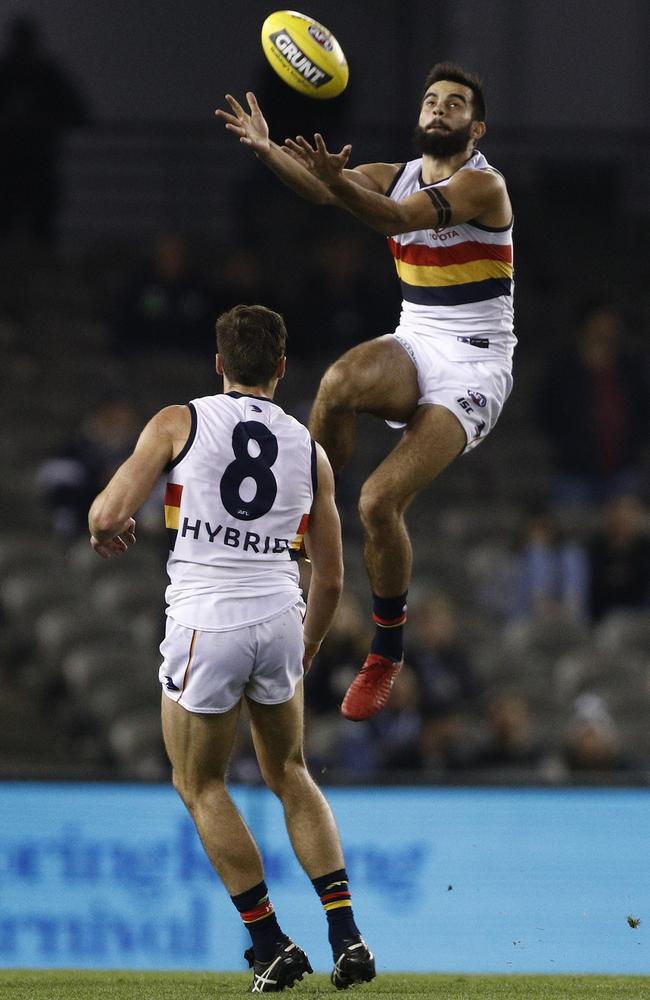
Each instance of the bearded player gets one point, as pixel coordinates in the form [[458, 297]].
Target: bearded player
[[446, 372]]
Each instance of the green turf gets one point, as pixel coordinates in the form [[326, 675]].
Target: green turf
[[70, 985]]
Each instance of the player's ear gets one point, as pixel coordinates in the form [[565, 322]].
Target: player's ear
[[219, 365], [478, 130], [282, 367]]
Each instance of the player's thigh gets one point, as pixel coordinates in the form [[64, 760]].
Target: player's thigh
[[198, 745], [277, 732], [433, 438], [375, 377]]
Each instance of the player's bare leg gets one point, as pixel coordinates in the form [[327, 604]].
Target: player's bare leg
[[431, 441], [434, 438], [199, 748], [277, 735], [375, 377]]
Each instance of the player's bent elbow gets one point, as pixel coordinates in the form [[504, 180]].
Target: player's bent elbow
[[328, 589]]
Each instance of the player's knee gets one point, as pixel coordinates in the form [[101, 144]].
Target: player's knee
[[339, 385], [194, 791], [377, 510], [282, 779]]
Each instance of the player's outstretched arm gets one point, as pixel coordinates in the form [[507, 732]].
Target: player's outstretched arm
[[284, 161], [110, 519], [471, 194], [325, 550], [253, 131]]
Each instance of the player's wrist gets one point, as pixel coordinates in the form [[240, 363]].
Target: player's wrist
[[312, 647]]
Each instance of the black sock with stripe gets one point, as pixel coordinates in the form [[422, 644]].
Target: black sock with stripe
[[336, 898], [256, 910], [389, 616]]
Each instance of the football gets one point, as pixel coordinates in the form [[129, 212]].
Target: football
[[305, 54]]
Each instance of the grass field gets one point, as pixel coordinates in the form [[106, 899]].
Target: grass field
[[71, 985]]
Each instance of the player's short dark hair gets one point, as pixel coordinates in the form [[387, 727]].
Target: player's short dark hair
[[455, 73], [251, 341]]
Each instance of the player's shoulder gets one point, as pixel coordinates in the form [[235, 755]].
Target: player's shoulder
[[172, 418], [484, 178]]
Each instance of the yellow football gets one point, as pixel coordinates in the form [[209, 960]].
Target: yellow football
[[305, 54]]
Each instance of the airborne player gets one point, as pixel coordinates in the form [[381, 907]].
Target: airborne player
[[446, 372]]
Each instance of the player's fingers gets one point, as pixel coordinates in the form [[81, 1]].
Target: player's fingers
[[227, 117], [343, 157], [320, 144], [235, 105], [300, 153], [292, 152], [252, 101]]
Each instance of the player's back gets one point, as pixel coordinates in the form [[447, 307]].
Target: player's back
[[237, 503]]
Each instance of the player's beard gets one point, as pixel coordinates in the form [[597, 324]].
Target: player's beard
[[440, 143]]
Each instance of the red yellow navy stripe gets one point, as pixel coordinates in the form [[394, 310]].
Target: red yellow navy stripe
[[468, 251], [452, 274]]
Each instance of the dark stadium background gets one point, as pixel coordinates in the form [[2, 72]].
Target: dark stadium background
[[568, 91]]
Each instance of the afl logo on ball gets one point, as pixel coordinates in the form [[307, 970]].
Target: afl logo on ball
[[477, 397], [320, 36]]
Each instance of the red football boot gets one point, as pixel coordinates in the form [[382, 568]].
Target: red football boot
[[369, 691]]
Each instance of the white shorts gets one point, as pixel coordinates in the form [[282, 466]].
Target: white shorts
[[209, 672], [474, 391]]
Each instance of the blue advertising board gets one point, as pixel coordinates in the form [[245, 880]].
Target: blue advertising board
[[449, 880]]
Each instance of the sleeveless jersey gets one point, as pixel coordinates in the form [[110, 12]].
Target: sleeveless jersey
[[237, 505], [457, 282]]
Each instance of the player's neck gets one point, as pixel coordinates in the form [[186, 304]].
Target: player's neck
[[435, 169], [265, 391]]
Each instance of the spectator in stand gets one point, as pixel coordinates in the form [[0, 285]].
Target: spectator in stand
[[242, 276], [70, 480], [619, 558], [593, 741], [550, 572], [39, 104], [509, 737], [593, 407], [168, 305], [446, 676]]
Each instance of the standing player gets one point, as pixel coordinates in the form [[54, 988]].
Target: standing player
[[246, 484], [446, 371]]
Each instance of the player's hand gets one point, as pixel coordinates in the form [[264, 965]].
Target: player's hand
[[327, 167], [311, 648], [251, 127], [116, 545]]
